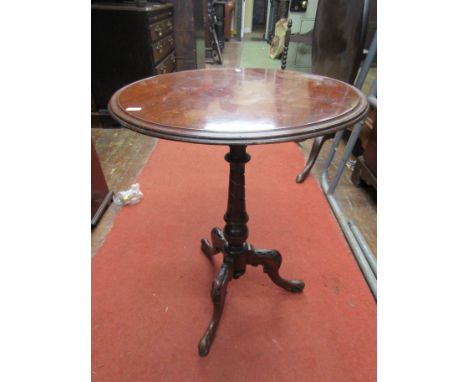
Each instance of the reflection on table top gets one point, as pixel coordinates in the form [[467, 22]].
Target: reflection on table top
[[238, 106]]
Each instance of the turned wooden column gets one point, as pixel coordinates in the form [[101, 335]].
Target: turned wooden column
[[236, 218], [236, 231]]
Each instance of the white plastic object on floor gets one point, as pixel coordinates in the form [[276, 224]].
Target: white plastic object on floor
[[128, 197]]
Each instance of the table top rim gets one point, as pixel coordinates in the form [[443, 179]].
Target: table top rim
[[281, 134]]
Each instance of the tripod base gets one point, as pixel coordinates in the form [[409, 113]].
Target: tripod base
[[234, 265]]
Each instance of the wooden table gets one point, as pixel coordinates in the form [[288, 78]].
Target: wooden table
[[237, 107]]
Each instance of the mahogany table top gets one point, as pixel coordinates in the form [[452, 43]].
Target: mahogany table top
[[238, 106]]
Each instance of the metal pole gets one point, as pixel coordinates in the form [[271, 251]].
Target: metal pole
[[367, 62], [348, 149], [364, 247], [333, 148], [366, 270]]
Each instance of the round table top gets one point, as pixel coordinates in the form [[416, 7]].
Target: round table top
[[238, 106]]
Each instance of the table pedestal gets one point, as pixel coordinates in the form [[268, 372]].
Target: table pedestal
[[236, 252]]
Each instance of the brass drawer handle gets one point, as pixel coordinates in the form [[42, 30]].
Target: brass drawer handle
[[158, 30]]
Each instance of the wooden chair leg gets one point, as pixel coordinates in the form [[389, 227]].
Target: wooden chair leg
[[314, 152]]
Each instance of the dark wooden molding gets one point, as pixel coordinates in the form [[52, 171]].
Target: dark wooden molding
[[278, 110]]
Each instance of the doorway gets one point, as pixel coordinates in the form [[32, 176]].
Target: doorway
[[259, 16], [255, 19]]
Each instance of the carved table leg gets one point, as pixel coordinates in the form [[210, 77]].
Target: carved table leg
[[218, 242], [271, 260], [314, 153], [218, 295]]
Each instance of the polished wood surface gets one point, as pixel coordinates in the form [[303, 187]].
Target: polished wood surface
[[238, 106]]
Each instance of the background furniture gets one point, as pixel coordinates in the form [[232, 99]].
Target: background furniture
[[228, 10], [214, 31], [220, 11], [338, 49], [101, 197], [303, 23], [189, 33], [277, 45], [366, 164], [279, 9], [283, 106], [129, 42]]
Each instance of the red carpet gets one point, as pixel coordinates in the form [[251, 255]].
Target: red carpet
[[151, 284]]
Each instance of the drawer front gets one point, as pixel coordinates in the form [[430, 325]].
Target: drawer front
[[162, 47], [160, 29], [159, 16], [167, 66]]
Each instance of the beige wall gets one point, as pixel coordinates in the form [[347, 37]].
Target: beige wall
[[248, 15]]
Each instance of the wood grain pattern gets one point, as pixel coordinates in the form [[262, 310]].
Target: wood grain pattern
[[238, 106]]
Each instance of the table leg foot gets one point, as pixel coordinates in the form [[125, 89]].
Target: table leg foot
[[218, 295], [271, 260], [314, 153], [218, 242]]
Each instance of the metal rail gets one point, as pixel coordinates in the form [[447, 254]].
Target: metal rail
[[361, 251]]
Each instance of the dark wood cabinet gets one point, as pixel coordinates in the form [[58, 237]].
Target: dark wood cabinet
[[189, 33], [129, 42]]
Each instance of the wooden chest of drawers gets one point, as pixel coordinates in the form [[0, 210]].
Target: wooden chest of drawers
[[162, 48], [129, 42]]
